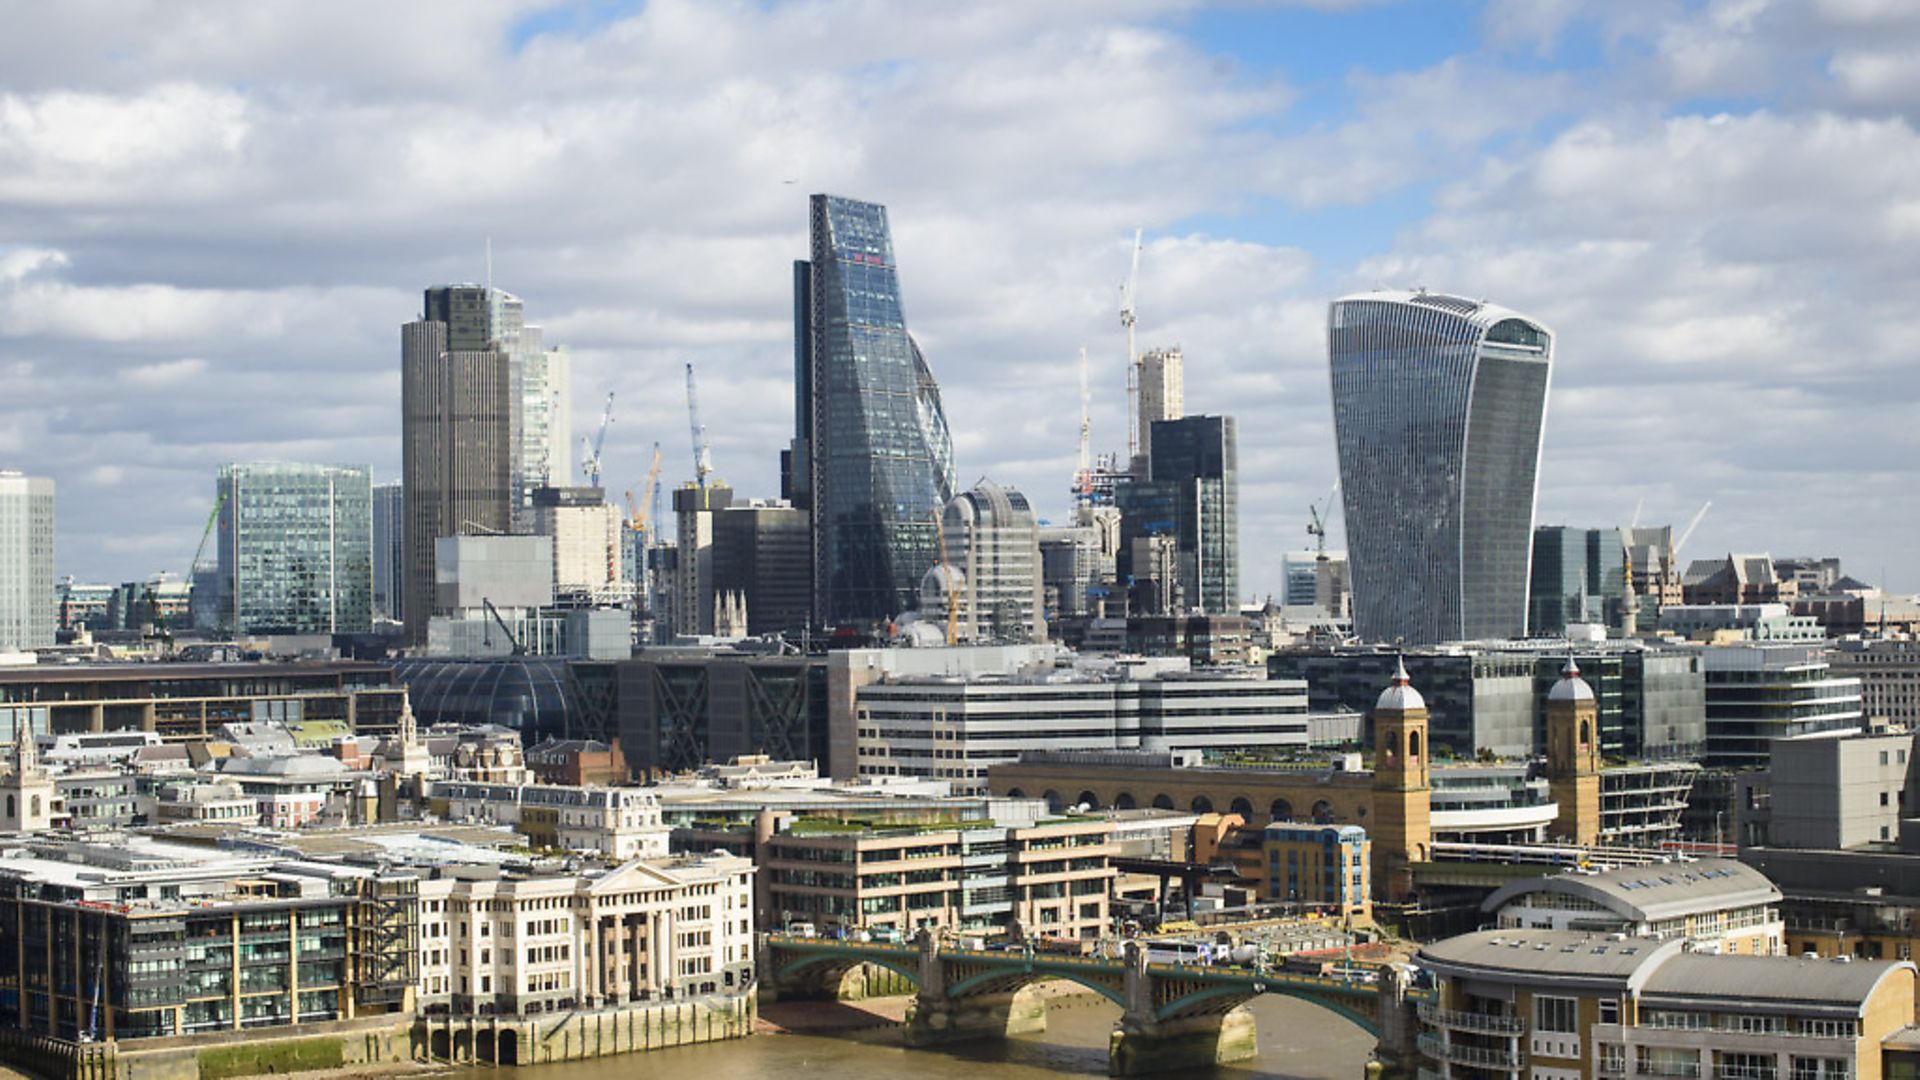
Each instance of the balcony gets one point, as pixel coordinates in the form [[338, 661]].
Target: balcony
[[1746, 1072], [1611, 1067], [1686, 1070], [1468, 1055], [1485, 1023]]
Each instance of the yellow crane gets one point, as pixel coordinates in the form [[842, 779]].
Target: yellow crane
[[638, 518], [953, 588]]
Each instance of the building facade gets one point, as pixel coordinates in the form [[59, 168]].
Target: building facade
[[761, 554], [296, 548], [1439, 408], [1191, 498], [389, 551], [1889, 674], [1162, 397], [1579, 576], [1570, 1004], [872, 451], [586, 539], [1758, 693], [27, 606], [989, 534], [456, 434]]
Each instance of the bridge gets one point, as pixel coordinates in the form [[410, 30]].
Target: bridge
[[1173, 1016]]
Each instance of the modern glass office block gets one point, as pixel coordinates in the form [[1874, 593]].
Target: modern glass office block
[[1439, 406], [296, 548]]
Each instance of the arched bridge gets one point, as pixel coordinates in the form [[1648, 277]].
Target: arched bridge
[[1174, 1016]]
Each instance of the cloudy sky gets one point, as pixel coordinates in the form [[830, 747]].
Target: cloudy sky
[[214, 219]]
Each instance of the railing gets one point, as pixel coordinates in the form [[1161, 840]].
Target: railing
[[1688, 1070], [1468, 1055], [1486, 1023], [1611, 1067], [1746, 1072]]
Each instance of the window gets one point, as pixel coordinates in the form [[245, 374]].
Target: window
[[1556, 1014], [1609, 1011]]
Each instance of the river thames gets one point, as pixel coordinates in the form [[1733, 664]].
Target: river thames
[[1297, 1040]]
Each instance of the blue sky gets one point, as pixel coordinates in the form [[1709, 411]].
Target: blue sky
[[217, 218]]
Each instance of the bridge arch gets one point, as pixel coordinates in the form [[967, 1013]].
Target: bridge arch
[[1224, 998], [1012, 981], [909, 971], [1124, 801]]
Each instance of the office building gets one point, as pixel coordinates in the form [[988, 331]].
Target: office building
[[389, 551], [871, 452], [27, 607], [1717, 905], [990, 537], [1051, 880], [1889, 674], [682, 708], [1651, 565], [1720, 623], [1439, 409], [540, 393], [762, 554], [456, 435], [1737, 579], [1078, 563], [1315, 579], [1191, 498], [1579, 576], [694, 510], [620, 823], [1830, 792], [296, 548], [1568, 1003], [174, 939], [1162, 396], [1758, 693], [585, 530]]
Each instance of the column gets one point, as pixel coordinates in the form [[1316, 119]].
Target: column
[[665, 956], [635, 950]]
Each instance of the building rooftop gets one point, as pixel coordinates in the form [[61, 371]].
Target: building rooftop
[[1759, 981], [1659, 891], [1538, 954]]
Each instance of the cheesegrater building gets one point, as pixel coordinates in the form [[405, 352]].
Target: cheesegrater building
[[872, 459], [1439, 407]]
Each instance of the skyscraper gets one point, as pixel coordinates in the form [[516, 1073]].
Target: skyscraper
[[992, 537], [1162, 397], [871, 453], [456, 428], [389, 550], [296, 548], [541, 396], [1439, 406], [27, 611], [1191, 495]]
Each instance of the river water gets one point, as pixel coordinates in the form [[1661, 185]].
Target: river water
[[1297, 1040]]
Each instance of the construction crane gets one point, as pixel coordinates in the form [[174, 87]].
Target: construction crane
[[1083, 480], [1133, 357], [1317, 528], [702, 452], [953, 587], [590, 448], [213, 518], [1688, 534]]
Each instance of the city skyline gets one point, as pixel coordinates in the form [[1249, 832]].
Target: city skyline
[[1492, 159]]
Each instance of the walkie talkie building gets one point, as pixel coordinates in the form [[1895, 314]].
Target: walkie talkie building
[[872, 458], [1439, 406]]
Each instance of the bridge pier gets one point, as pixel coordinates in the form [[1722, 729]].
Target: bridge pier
[[935, 1020], [1183, 1044]]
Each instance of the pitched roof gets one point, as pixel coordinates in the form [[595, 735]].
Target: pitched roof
[[1758, 981], [1660, 891]]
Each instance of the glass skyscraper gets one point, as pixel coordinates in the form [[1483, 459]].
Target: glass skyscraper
[[296, 548], [872, 459], [1439, 406], [1192, 493]]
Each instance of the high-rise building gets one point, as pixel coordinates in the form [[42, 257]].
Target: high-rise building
[[1315, 579], [761, 554], [389, 550], [1578, 576], [1439, 407], [872, 453], [540, 390], [694, 510], [1760, 692], [991, 537], [586, 540], [296, 548], [1162, 397], [1192, 495], [27, 607], [456, 435]]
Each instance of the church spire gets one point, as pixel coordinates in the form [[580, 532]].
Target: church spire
[[26, 756]]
